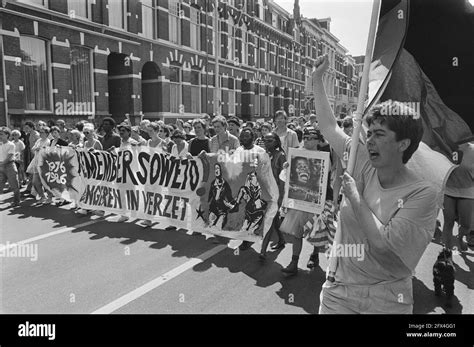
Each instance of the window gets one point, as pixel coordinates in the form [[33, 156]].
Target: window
[[195, 92], [79, 8], [43, 3], [81, 76], [274, 20], [175, 88], [265, 102], [256, 103], [117, 13], [244, 51], [195, 29], [37, 87], [174, 22], [261, 10], [230, 41], [231, 97], [148, 21]]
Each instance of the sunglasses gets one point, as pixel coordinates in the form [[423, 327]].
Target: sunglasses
[[86, 132], [310, 138]]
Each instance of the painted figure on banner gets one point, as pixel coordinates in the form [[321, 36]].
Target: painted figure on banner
[[220, 199], [255, 208]]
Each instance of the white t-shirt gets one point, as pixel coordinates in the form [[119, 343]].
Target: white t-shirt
[[183, 153], [6, 149], [408, 217], [19, 148]]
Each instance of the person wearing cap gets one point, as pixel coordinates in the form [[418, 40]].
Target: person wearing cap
[[233, 126], [125, 132], [180, 147]]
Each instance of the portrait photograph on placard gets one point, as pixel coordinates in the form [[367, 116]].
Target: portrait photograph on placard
[[306, 180]]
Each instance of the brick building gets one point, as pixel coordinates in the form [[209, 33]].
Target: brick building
[[76, 59]]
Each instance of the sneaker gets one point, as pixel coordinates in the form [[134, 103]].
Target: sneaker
[[15, 204], [82, 211], [278, 246], [122, 219], [41, 201], [99, 213], [48, 200], [313, 261], [291, 269], [147, 223]]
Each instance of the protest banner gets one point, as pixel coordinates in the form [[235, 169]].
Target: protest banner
[[306, 180], [229, 195]]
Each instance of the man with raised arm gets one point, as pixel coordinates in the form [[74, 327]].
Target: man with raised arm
[[387, 210]]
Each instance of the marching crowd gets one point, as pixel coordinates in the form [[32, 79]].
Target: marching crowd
[[395, 237], [181, 139]]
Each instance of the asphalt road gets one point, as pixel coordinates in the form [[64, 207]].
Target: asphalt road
[[97, 265]]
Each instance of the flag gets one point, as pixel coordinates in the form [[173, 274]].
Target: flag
[[424, 55]]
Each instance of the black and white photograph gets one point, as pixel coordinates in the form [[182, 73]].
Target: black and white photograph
[[306, 183], [237, 157]]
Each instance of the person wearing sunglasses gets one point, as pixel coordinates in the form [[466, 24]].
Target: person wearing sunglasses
[[90, 140]]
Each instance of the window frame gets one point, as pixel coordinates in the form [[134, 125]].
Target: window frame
[[91, 74], [49, 72], [124, 4]]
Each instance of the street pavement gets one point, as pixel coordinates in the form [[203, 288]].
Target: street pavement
[[97, 265]]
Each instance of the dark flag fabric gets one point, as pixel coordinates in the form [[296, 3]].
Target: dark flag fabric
[[424, 56]]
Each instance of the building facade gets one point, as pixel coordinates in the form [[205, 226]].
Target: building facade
[[75, 59]]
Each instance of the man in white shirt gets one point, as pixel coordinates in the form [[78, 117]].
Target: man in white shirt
[[8, 169]]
